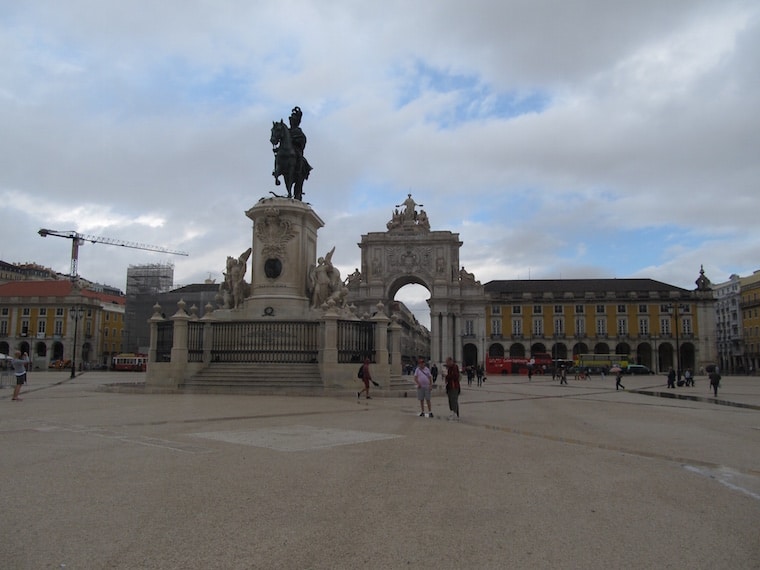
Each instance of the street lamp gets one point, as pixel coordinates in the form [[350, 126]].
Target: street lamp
[[75, 313], [673, 310]]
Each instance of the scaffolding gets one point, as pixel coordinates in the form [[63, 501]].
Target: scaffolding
[[144, 284], [150, 278]]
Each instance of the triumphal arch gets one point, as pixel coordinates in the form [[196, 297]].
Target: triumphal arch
[[409, 252]]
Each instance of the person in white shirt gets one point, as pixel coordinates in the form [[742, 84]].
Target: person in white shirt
[[424, 380], [19, 363]]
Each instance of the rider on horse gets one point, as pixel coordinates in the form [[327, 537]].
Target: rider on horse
[[289, 161], [298, 140]]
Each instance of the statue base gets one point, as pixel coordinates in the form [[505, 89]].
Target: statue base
[[284, 247]]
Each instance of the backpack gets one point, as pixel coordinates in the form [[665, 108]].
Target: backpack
[[360, 374]]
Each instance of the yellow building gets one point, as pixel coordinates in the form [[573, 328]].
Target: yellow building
[[750, 308], [651, 323], [44, 317]]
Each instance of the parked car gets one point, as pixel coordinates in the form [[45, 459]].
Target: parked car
[[637, 369]]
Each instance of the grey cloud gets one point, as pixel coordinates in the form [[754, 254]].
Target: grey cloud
[[90, 120]]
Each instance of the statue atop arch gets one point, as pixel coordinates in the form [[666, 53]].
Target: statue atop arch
[[409, 211], [409, 219], [288, 144]]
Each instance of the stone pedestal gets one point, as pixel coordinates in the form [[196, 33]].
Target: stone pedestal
[[284, 248]]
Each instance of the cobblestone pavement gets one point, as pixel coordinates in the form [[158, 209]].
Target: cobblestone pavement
[[535, 475]]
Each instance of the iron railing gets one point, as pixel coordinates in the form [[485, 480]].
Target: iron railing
[[164, 341], [356, 341], [265, 342], [195, 341], [268, 342]]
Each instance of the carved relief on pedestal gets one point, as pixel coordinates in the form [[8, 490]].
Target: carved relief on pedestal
[[274, 233]]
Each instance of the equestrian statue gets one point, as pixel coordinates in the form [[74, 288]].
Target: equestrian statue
[[289, 161]]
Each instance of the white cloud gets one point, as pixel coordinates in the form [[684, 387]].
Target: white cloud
[[581, 138]]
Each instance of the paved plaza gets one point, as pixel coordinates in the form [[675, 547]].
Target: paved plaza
[[536, 475]]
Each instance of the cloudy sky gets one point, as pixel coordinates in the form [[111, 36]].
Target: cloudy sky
[[560, 139]]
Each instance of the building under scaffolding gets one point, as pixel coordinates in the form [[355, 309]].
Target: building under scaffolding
[[144, 284]]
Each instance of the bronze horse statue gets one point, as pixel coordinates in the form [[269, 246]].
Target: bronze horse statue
[[288, 161]]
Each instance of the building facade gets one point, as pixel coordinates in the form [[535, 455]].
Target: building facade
[[750, 322], [44, 317], [652, 323], [728, 325], [25, 272]]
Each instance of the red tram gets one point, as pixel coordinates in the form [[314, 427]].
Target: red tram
[[130, 362]]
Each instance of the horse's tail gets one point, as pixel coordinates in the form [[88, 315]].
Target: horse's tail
[[305, 168]]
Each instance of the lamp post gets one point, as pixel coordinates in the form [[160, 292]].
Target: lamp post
[[673, 310], [76, 313]]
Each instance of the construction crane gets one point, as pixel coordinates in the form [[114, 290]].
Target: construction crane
[[78, 239]]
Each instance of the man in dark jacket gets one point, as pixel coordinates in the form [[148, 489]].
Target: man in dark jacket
[[453, 388], [715, 381], [671, 378]]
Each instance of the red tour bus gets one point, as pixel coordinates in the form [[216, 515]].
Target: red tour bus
[[510, 365]]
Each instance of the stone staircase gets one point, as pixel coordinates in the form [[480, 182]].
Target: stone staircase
[[252, 378], [403, 383]]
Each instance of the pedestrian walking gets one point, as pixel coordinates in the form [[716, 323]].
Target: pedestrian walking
[[19, 364], [618, 379], [365, 376], [714, 381], [470, 375], [563, 375], [424, 380], [479, 374], [671, 378], [453, 388], [689, 377], [434, 372]]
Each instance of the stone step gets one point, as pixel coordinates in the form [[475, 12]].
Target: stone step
[[273, 379], [249, 389], [230, 377]]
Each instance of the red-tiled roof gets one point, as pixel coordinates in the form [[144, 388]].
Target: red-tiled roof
[[59, 288], [35, 289], [105, 297]]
